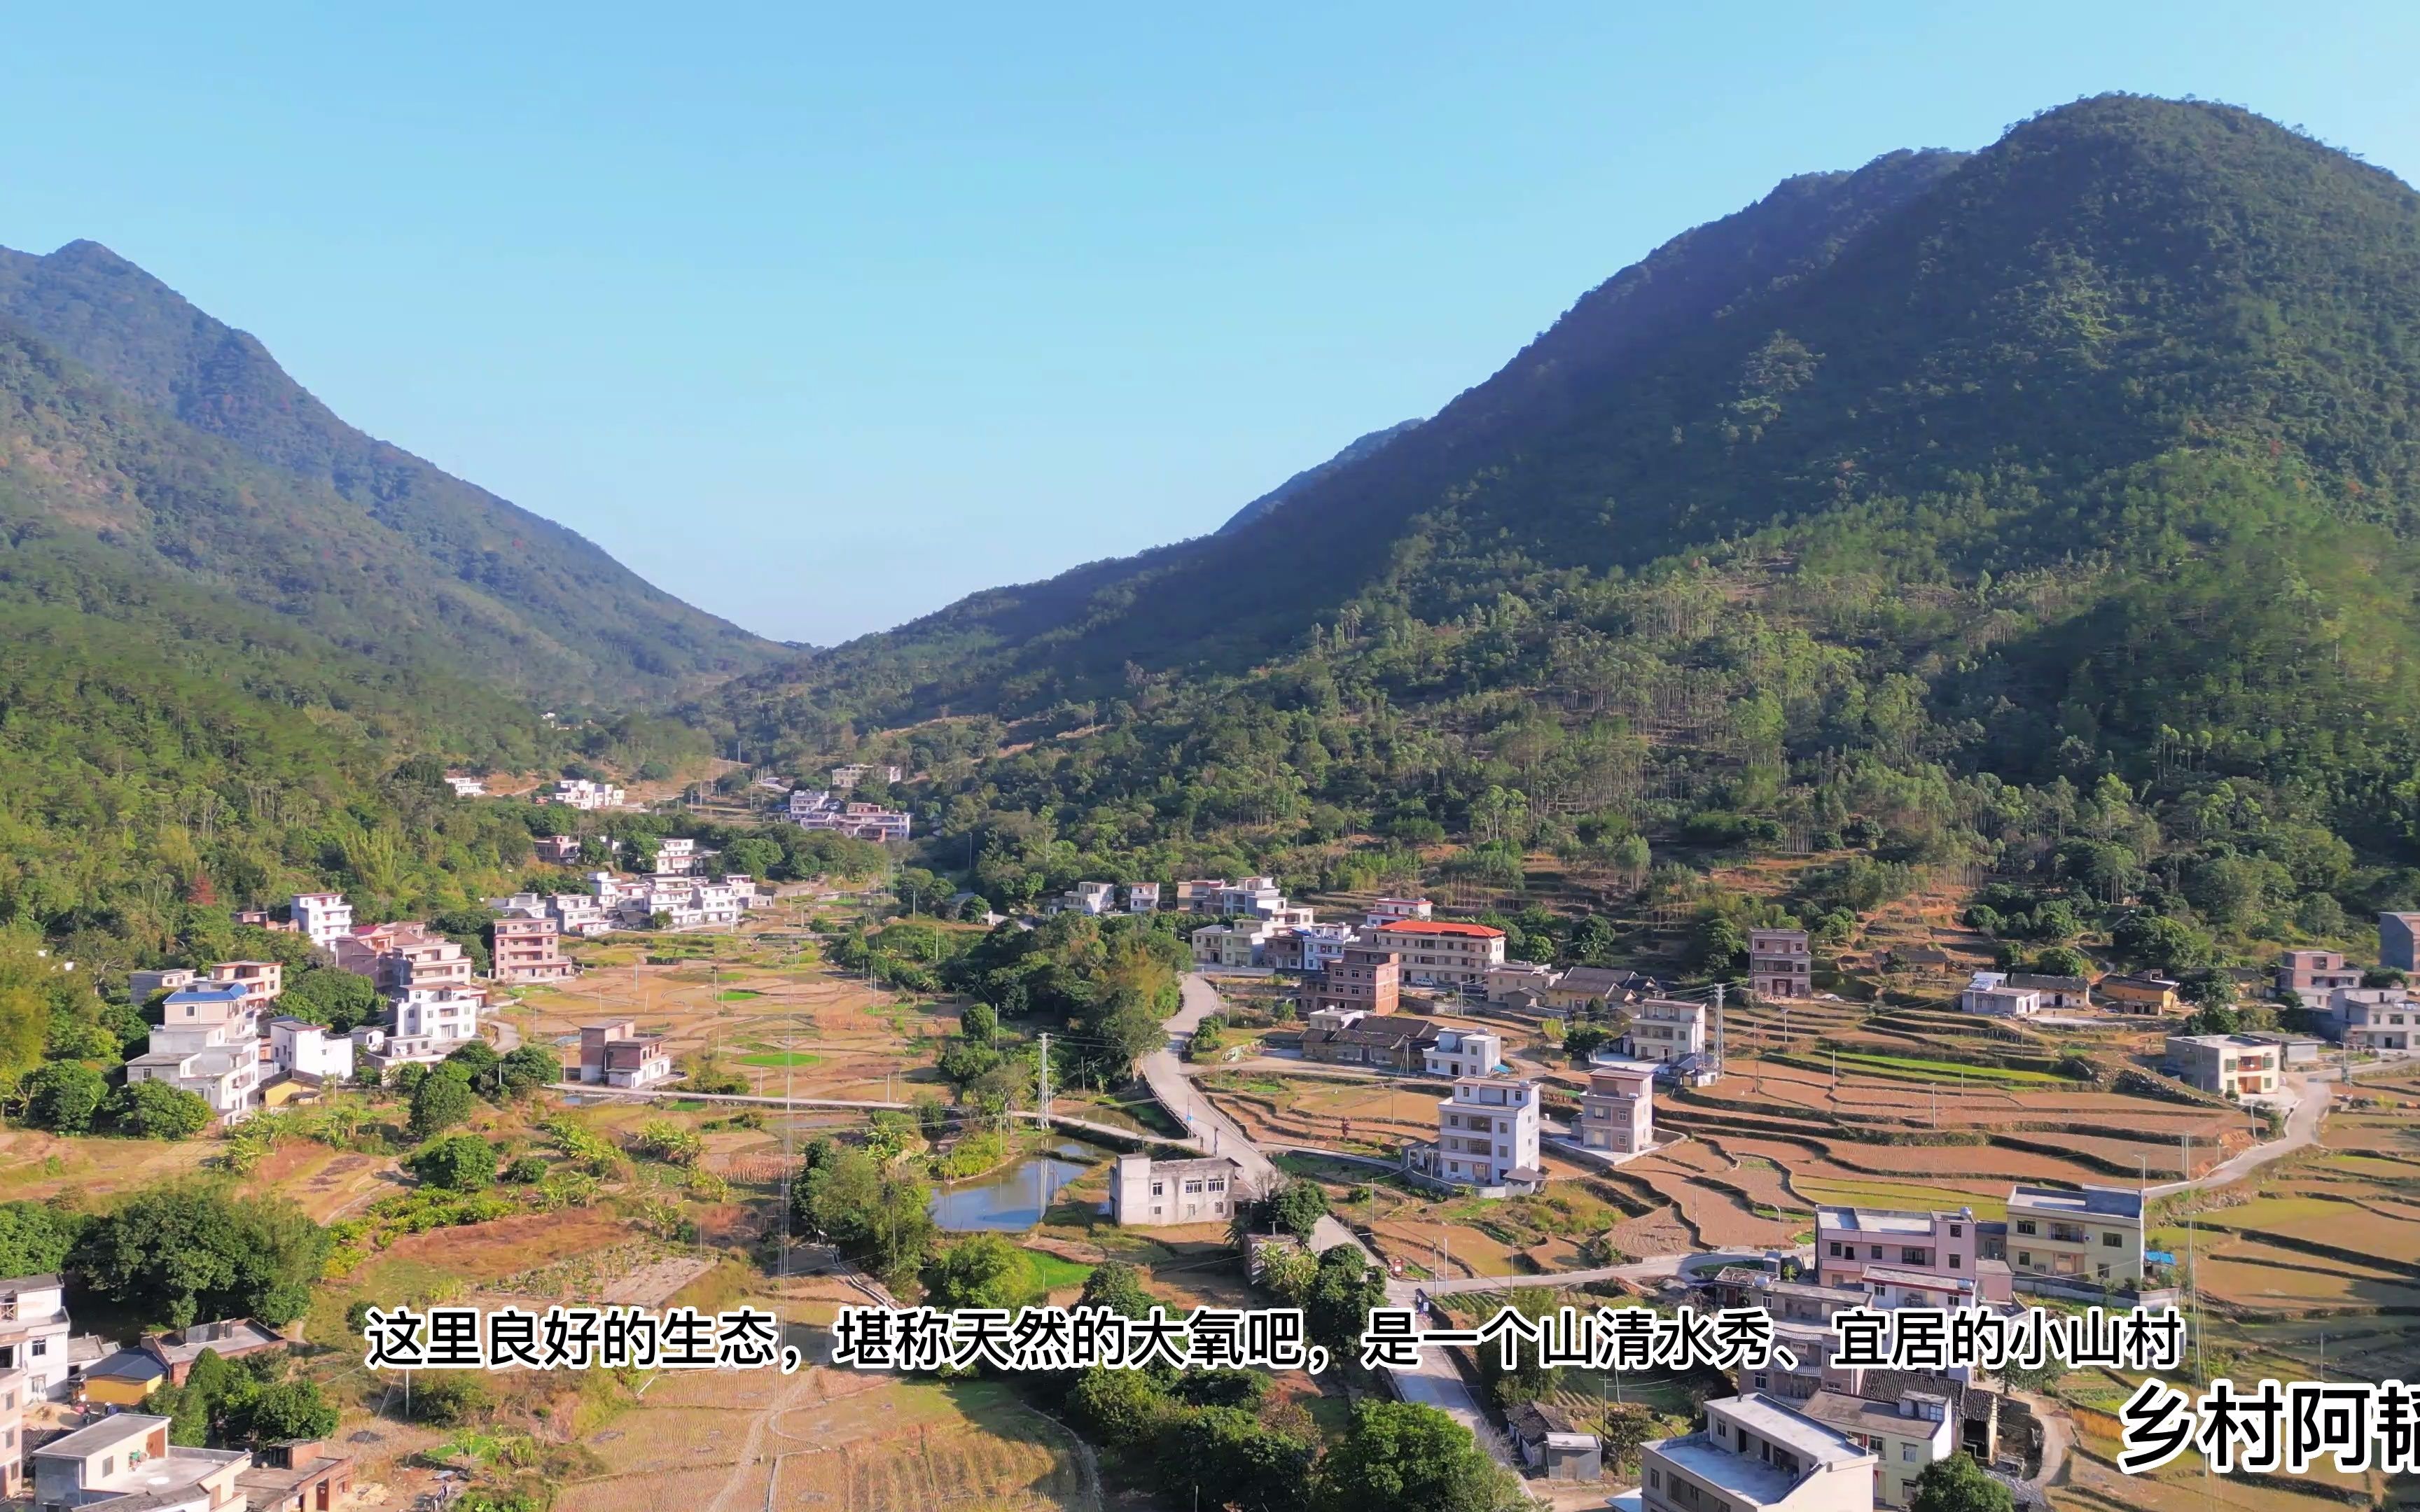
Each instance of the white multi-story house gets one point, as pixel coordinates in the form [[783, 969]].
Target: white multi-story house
[[846, 778], [1385, 911], [220, 1060], [1463, 1052], [1666, 1029], [816, 810], [309, 1053], [1487, 1131], [580, 792], [325, 917], [1094, 898], [676, 855], [467, 787], [1257, 896], [1756, 1455], [439, 1015], [1142, 897], [578, 914], [557, 850], [1157, 1194], [34, 1334], [1230, 945], [2374, 1018]]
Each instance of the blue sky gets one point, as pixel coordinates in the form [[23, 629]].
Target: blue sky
[[821, 316]]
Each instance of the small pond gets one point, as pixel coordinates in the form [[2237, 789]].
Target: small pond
[[1013, 1198]]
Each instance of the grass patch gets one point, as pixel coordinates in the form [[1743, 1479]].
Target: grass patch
[[1904, 1195], [1909, 1066], [737, 994], [779, 1059], [1048, 1272]]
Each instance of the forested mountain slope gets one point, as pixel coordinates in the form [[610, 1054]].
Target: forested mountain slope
[[2046, 509], [1359, 447], [138, 420]]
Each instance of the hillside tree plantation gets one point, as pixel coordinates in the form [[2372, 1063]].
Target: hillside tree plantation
[[2040, 513]]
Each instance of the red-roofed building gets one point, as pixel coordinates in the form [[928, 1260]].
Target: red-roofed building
[[1438, 952]]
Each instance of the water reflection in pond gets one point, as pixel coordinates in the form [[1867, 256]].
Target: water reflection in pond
[[1013, 1198]]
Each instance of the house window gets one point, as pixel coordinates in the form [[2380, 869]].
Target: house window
[[2025, 1256], [1958, 1230], [2111, 1240], [1874, 1252], [1655, 1478], [2025, 1226], [1907, 1453], [1957, 1261]]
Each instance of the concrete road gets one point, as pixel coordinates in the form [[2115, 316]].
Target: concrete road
[[2302, 1132]]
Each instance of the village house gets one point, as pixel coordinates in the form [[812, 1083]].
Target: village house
[[557, 850], [1361, 980], [1989, 993], [844, 777], [1230, 946], [2146, 995], [35, 1336], [1200, 895], [298, 1475], [1142, 897], [309, 1053], [1618, 1110], [1552, 1442], [1257, 896], [1780, 964], [527, 947], [1488, 1132], [2399, 942], [219, 1060], [677, 855], [125, 1463], [1386, 1041], [2230, 1065], [1849, 1241], [1385, 911], [427, 1025], [207, 1003], [1440, 954], [143, 986], [615, 1053], [1756, 1454], [325, 917], [1890, 1287], [1666, 1029], [1309, 948], [577, 914], [2059, 993], [1529, 977], [260, 981], [2375, 1018], [818, 810], [403, 957], [2311, 975], [1904, 1436], [1094, 898], [1920, 958], [1156, 1193], [467, 787], [13, 1401], [2095, 1234], [580, 792], [1463, 1052], [1586, 988]]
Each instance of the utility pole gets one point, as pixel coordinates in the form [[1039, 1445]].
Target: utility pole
[[1042, 1104], [1720, 1069]]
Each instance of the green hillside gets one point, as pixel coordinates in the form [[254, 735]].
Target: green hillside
[[2040, 513], [134, 417]]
